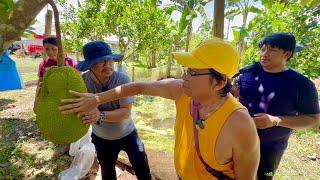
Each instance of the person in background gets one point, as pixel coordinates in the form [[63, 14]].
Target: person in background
[[51, 50], [278, 98]]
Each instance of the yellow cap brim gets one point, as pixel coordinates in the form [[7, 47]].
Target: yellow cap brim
[[188, 60]]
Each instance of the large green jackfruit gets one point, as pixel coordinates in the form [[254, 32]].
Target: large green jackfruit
[[53, 125]]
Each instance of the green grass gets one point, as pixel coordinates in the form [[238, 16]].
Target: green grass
[[154, 118], [295, 163], [27, 67], [31, 76], [24, 154]]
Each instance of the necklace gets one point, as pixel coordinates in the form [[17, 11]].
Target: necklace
[[213, 110], [199, 121]]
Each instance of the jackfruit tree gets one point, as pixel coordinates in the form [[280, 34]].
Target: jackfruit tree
[[55, 127]]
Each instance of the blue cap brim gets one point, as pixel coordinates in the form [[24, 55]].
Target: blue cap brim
[[298, 48]]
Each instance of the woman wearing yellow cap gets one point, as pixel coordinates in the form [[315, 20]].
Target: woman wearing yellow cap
[[215, 137]]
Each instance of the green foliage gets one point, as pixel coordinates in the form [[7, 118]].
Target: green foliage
[[243, 7], [300, 20], [189, 9], [72, 37], [6, 6], [141, 27]]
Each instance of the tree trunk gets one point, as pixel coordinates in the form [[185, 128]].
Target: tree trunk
[[189, 34], [218, 18], [23, 14], [48, 20], [169, 64], [153, 58], [168, 70], [58, 34], [228, 31], [122, 49], [47, 29]]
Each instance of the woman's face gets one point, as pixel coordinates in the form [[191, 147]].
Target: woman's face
[[51, 50]]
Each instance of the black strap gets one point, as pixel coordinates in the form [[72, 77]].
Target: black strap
[[252, 67], [213, 172]]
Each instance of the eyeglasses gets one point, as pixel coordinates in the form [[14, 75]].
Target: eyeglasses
[[108, 62], [191, 73]]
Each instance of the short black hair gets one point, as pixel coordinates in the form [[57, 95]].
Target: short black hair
[[284, 41], [50, 40], [219, 77]]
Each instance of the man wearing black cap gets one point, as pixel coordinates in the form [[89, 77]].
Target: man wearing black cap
[[114, 131], [278, 98]]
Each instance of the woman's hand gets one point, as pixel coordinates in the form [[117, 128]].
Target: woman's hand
[[81, 104], [92, 117]]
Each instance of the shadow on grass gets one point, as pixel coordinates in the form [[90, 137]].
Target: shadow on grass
[[25, 154], [5, 102]]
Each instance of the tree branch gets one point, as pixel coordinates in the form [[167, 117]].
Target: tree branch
[[22, 16]]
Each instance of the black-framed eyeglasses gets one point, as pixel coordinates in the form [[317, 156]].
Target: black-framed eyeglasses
[[190, 73], [106, 62]]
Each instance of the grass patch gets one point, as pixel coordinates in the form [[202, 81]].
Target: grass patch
[[24, 154], [154, 118], [4, 102], [7, 127], [154, 141], [31, 76], [295, 163], [14, 160], [26, 65]]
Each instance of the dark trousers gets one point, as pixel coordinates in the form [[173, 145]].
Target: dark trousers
[[270, 157], [108, 150]]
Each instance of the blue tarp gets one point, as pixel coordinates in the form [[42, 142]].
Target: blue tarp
[[9, 76]]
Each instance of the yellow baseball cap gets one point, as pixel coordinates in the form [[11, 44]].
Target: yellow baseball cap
[[214, 53]]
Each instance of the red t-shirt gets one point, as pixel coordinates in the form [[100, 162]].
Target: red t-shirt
[[49, 63]]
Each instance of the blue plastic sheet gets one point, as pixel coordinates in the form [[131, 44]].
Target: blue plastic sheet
[[9, 76]]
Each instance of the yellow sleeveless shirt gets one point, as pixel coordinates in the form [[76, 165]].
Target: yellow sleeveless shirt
[[187, 163]]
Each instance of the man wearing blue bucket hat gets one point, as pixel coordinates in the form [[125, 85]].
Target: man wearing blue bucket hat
[[114, 130]]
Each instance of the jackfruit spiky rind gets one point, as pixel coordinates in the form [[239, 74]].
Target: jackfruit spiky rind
[[54, 126]]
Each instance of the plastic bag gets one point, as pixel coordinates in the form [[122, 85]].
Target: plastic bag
[[81, 163], [74, 147], [84, 154]]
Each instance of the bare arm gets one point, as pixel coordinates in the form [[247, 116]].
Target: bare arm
[[300, 122], [119, 114], [246, 148], [116, 115], [167, 88]]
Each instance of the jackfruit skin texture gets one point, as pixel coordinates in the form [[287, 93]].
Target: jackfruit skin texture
[[55, 127]]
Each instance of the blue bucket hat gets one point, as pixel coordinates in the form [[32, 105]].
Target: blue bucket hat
[[94, 52]]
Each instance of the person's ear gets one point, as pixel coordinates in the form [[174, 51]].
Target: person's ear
[[287, 54], [220, 84]]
